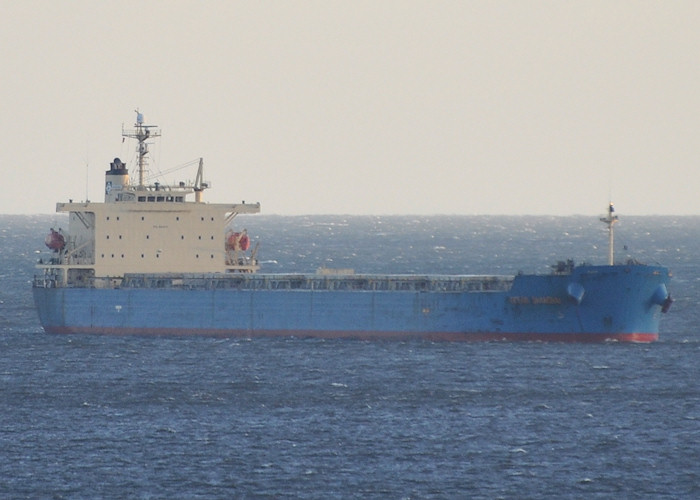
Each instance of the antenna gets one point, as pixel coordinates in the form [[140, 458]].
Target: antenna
[[141, 133], [610, 220]]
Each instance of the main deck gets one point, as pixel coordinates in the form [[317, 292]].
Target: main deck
[[357, 282]]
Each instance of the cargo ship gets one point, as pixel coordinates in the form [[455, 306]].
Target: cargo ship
[[155, 259]]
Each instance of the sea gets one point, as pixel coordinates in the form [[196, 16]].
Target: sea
[[86, 417]]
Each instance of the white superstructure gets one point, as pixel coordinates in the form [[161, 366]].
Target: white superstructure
[[147, 229]]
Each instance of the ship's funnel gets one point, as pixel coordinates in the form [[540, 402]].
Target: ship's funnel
[[116, 179]]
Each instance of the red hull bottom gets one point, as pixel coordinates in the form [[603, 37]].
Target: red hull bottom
[[363, 335]]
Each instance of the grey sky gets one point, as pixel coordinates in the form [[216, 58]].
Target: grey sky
[[362, 107]]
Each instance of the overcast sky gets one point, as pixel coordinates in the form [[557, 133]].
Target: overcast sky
[[360, 107]]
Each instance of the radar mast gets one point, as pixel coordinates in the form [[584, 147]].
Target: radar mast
[[141, 133]]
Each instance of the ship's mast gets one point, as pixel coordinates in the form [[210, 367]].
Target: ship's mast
[[199, 184], [610, 220], [141, 133]]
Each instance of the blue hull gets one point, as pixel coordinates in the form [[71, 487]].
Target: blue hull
[[592, 303]]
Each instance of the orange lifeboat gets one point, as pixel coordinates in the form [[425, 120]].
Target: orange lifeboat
[[244, 242], [238, 241], [55, 241]]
